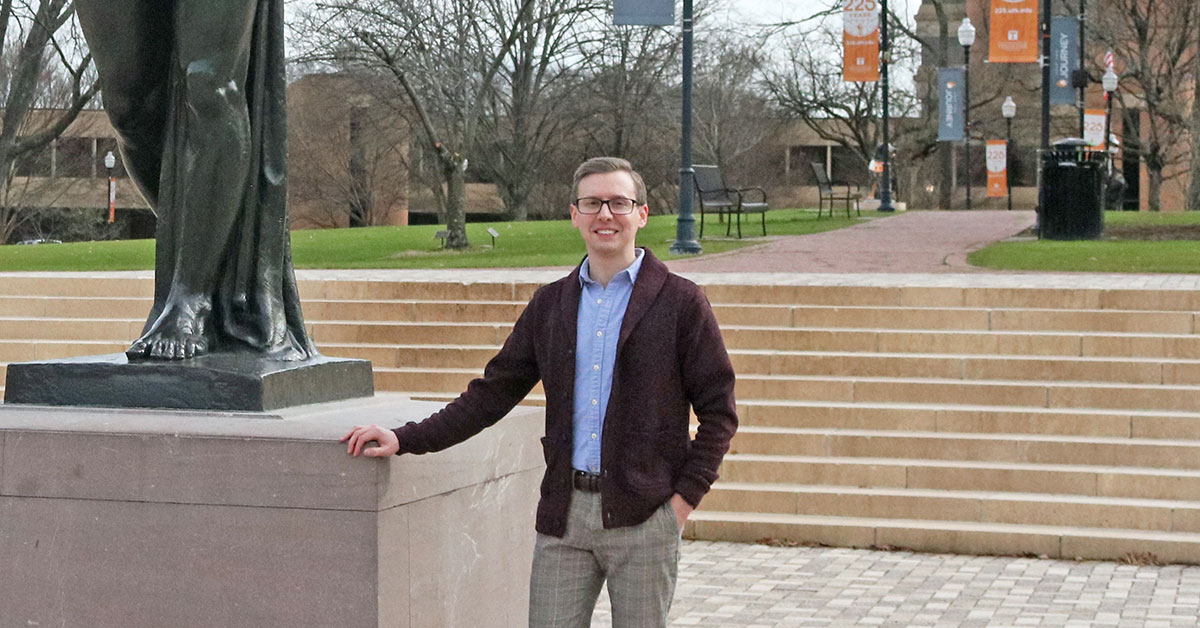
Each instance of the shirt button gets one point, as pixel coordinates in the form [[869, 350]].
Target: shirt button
[[599, 334], [599, 301], [595, 401], [595, 367], [594, 437]]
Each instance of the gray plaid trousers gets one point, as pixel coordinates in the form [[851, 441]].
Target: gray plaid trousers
[[640, 564]]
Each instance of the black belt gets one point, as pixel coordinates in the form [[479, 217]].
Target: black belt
[[585, 481]]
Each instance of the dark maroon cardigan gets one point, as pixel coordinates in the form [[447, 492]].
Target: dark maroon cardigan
[[670, 354]]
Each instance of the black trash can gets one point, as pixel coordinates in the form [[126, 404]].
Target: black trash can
[[1072, 173]]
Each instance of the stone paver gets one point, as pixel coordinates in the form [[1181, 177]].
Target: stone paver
[[728, 585]]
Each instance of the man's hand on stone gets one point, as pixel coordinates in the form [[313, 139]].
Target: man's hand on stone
[[356, 440]]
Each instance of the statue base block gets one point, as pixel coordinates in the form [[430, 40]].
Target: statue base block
[[114, 518], [221, 381]]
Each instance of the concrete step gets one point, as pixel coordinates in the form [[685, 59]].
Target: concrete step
[[362, 290], [76, 285], [967, 367], [1066, 542], [414, 356], [29, 350], [993, 319], [399, 333], [56, 328], [950, 392], [1096, 480], [469, 288], [73, 307], [413, 311], [1032, 394], [444, 381], [971, 506], [1017, 448], [942, 341], [456, 354], [934, 417], [938, 296]]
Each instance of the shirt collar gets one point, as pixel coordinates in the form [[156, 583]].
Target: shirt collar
[[585, 274]]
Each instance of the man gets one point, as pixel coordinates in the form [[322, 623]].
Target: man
[[623, 348]]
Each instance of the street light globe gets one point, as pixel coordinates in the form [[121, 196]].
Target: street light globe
[[1109, 80], [966, 33], [110, 160], [1008, 108]]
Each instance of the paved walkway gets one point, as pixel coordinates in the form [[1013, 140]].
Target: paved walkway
[[733, 585], [908, 242]]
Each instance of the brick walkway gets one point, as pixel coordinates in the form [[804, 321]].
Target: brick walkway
[[909, 242], [728, 585]]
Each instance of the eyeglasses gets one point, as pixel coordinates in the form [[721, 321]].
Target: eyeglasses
[[592, 205]]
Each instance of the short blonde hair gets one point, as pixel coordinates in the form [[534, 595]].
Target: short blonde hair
[[601, 165]]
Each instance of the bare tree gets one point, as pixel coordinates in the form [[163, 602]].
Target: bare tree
[[629, 102], [443, 59], [1157, 42], [348, 161], [525, 116], [44, 64], [808, 86], [732, 115], [1193, 200]]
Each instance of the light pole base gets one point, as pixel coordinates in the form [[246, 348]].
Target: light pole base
[[686, 247], [869, 204]]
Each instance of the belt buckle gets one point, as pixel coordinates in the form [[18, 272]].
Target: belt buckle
[[589, 482]]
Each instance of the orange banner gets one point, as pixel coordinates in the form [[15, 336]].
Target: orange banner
[[1093, 128], [860, 41], [997, 168], [1014, 30]]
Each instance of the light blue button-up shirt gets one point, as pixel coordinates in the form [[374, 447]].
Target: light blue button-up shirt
[[598, 326]]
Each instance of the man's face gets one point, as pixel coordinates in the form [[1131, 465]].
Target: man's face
[[606, 234]]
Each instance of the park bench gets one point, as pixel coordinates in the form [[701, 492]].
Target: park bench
[[826, 191], [715, 195]]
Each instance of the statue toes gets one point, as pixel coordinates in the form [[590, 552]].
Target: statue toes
[[138, 349], [161, 349]]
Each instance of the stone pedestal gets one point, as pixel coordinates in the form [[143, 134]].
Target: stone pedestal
[[118, 518], [220, 381]]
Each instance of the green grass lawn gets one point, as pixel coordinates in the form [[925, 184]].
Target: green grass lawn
[[1104, 255], [521, 244]]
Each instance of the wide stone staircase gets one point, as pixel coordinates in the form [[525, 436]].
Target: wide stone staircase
[[980, 419]]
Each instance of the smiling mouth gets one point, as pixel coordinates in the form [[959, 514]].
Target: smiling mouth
[[606, 231]]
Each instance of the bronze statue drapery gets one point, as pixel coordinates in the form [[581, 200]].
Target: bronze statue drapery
[[195, 91]]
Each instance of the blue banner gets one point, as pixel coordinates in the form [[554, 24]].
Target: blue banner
[[951, 92], [1064, 59], [644, 12]]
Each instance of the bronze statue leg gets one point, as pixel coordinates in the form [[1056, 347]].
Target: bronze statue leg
[[131, 42], [212, 47]]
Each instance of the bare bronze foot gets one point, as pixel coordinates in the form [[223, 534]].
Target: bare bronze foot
[[179, 332]]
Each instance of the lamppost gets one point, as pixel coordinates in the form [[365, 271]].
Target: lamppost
[[1109, 81], [1009, 109], [110, 161], [685, 224], [966, 37], [885, 195]]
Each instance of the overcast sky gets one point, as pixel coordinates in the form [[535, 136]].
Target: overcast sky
[[769, 11], [773, 11]]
